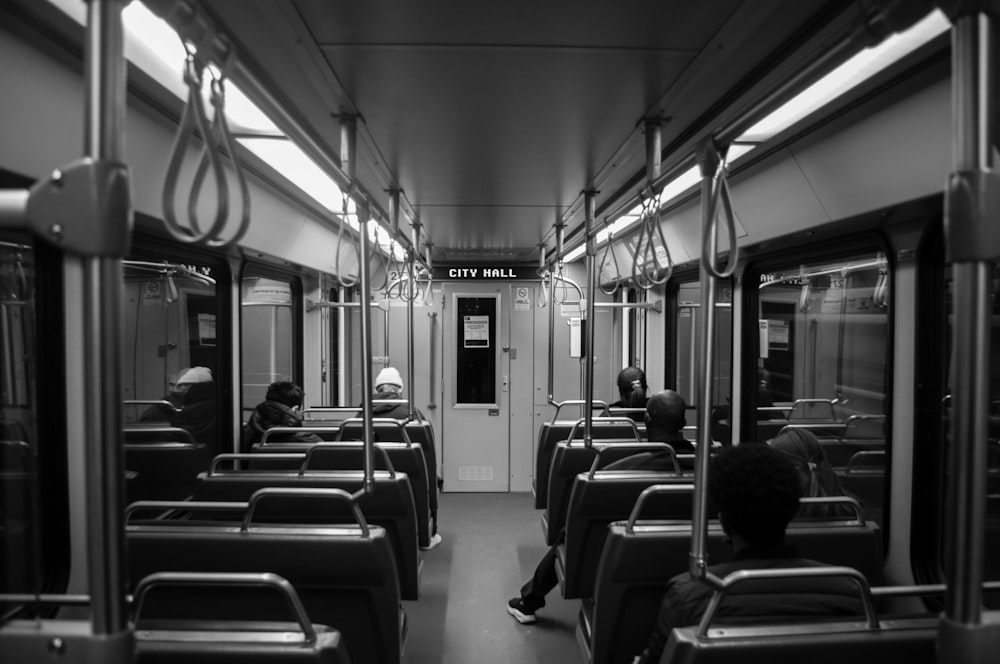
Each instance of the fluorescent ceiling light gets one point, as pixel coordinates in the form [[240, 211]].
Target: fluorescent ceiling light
[[291, 162], [672, 190], [852, 73]]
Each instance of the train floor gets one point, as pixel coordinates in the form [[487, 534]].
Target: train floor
[[491, 543]]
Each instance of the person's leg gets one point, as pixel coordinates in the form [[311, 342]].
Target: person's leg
[[541, 583]]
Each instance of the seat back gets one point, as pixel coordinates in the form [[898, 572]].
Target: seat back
[[220, 638], [344, 574], [571, 458], [913, 641], [551, 433], [390, 505], [639, 557], [596, 500], [166, 461]]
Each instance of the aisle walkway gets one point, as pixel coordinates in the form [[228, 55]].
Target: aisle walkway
[[491, 545]]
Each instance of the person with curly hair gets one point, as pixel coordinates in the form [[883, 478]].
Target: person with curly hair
[[756, 490]]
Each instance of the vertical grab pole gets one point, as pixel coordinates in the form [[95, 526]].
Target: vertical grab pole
[[708, 160], [970, 210], [410, 348], [348, 144], [104, 138], [552, 314], [590, 197]]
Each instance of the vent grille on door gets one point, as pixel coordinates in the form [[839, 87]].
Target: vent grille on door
[[475, 473]]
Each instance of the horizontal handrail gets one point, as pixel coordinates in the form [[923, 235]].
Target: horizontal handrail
[[855, 461], [287, 492], [387, 421], [243, 456], [223, 579], [345, 444], [185, 505], [741, 576], [604, 421], [654, 490], [152, 402], [577, 402], [837, 500]]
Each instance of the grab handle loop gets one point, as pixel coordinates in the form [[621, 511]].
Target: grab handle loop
[[616, 280], [194, 118], [719, 193], [645, 262], [342, 279]]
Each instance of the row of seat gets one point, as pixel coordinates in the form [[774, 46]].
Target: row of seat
[[271, 511]]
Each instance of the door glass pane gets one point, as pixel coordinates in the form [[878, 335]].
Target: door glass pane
[[476, 350], [267, 337]]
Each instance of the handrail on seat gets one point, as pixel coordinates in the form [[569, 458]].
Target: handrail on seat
[[603, 421], [855, 461], [740, 576], [850, 501], [638, 447], [215, 579], [805, 404], [386, 421], [655, 489], [577, 402], [287, 492]]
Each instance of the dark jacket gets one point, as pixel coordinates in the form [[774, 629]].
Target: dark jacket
[[397, 411], [194, 411], [781, 601], [270, 414]]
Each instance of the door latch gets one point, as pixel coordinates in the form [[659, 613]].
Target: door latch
[[504, 382]]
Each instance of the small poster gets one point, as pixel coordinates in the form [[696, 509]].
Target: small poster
[[477, 331], [521, 300], [777, 334]]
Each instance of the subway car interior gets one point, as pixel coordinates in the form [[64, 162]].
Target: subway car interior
[[326, 326]]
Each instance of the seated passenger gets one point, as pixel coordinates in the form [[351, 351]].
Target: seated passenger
[[632, 390], [664, 421], [816, 476], [281, 408], [193, 405], [389, 386], [176, 394], [756, 490]]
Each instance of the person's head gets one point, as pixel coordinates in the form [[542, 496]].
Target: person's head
[[632, 387], [287, 393], [756, 491], [665, 415], [801, 447], [389, 380]]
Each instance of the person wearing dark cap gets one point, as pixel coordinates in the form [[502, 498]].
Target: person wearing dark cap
[[282, 407], [664, 421], [756, 491]]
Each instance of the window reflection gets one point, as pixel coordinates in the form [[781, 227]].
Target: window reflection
[[822, 364], [21, 518]]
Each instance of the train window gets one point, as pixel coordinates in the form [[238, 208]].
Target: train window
[[173, 359], [821, 363], [33, 506], [689, 317], [268, 332]]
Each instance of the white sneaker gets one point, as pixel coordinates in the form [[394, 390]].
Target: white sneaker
[[435, 540]]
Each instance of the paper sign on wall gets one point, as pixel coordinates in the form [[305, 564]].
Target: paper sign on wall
[[477, 331]]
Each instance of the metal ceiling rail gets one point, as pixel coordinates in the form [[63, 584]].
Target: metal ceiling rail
[[194, 27], [883, 19]]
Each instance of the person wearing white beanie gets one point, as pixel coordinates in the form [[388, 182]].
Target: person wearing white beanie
[[389, 380]]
